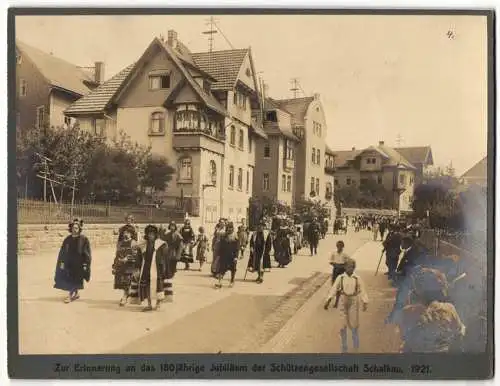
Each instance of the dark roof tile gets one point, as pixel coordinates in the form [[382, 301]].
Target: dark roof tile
[[224, 66], [58, 72], [97, 100]]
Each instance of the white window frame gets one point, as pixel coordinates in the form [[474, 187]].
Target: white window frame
[[159, 78], [40, 112], [265, 182], [231, 177], [157, 116], [186, 169], [240, 179]]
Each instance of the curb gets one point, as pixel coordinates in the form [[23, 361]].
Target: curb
[[283, 337], [286, 308]]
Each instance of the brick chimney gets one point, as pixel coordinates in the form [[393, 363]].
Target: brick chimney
[[172, 38], [99, 72], [381, 143]]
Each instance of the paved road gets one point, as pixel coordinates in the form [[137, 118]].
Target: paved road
[[201, 319], [314, 330]]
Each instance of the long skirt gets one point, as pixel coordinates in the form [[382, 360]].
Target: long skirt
[[65, 281], [187, 253], [201, 254], [123, 276], [350, 311], [226, 264]]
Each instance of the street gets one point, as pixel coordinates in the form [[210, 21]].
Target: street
[[284, 314]]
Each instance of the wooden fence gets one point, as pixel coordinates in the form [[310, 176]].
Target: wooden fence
[[39, 212]]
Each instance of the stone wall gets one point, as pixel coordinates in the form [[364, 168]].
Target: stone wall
[[33, 239]]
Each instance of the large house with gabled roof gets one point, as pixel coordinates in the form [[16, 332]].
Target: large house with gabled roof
[[275, 162], [191, 112], [46, 85], [308, 124], [386, 166]]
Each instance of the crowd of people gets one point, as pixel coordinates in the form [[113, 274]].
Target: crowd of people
[[427, 307], [162, 249]]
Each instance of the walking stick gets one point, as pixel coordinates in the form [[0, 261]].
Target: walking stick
[[379, 261]]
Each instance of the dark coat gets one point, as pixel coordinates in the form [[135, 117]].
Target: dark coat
[[260, 249], [73, 263]]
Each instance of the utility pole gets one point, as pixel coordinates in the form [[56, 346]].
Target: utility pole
[[295, 87], [44, 175], [211, 32]]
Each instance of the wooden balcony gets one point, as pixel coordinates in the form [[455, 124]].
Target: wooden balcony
[[196, 140], [330, 170]]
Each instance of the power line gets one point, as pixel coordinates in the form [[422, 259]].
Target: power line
[[223, 35]]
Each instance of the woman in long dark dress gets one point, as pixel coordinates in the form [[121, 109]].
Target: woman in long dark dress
[[260, 247], [128, 261], [169, 254], [219, 233], [188, 239], [73, 262], [228, 260], [283, 251]]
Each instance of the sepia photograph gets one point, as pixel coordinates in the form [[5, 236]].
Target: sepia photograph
[[234, 183]]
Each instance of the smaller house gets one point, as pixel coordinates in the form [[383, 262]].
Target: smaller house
[[418, 156], [46, 85], [382, 165], [477, 175]]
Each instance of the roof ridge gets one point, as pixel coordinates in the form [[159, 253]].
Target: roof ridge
[[49, 55], [212, 52]]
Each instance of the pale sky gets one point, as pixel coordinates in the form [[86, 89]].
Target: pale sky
[[379, 77]]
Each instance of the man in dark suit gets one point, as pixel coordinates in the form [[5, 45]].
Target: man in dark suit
[[392, 248]]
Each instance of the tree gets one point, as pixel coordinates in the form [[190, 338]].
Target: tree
[[157, 174], [98, 170]]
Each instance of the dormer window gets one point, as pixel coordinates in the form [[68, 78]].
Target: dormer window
[[159, 80], [271, 116]]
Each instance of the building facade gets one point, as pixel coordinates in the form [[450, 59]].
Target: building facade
[[477, 175], [380, 165], [47, 85], [169, 100], [309, 126], [275, 158]]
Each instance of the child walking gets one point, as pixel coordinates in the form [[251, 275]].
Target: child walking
[[349, 288], [337, 261], [201, 247]]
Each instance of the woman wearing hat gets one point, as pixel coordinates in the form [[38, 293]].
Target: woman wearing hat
[[73, 262], [128, 261]]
